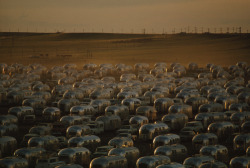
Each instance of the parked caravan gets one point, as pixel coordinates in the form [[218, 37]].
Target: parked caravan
[[204, 118], [8, 119], [226, 101], [176, 152], [171, 165], [147, 111], [175, 121], [51, 114], [152, 161], [48, 142], [8, 145], [109, 162], [121, 142], [111, 122], [38, 104], [100, 105], [211, 107], [96, 127], [40, 130], [162, 104], [89, 141], [13, 162], [239, 118], [102, 151], [137, 121], [49, 162], [21, 111], [241, 142], [131, 154], [181, 108], [196, 126], [65, 105], [166, 139], [218, 152], [242, 162], [223, 130], [14, 97], [215, 164], [76, 155], [204, 139], [30, 154], [132, 104], [244, 97], [245, 127], [197, 161], [82, 110], [240, 107], [71, 120], [148, 132], [77, 130], [153, 96], [196, 102], [118, 110]]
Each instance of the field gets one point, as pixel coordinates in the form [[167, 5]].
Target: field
[[80, 48]]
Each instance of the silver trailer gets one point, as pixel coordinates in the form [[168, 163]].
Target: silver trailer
[[239, 118], [166, 139], [245, 127], [100, 105], [211, 107], [137, 121], [152, 161], [111, 122], [38, 104], [197, 161], [65, 104], [21, 111], [77, 130], [153, 95], [241, 161], [121, 142], [108, 162], [51, 114], [181, 108], [131, 154], [204, 139], [40, 130], [162, 104], [176, 152], [89, 141], [132, 104], [119, 110], [82, 110], [147, 111], [223, 130], [96, 127], [218, 152], [241, 142], [196, 102], [30, 154], [76, 155], [8, 145], [8, 119], [215, 164], [175, 121], [48, 142], [148, 132], [204, 118], [71, 120], [13, 162]]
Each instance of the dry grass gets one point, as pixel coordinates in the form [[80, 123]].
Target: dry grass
[[82, 48]]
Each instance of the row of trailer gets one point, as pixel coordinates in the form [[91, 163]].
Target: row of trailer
[[110, 116]]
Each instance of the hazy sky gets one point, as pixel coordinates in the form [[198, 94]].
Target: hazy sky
[[123, 15]]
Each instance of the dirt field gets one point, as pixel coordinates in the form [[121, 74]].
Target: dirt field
[[82, 48]]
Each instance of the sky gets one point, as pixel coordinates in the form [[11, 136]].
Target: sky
[[124, 16]]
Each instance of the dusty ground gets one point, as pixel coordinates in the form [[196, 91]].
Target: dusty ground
[[82, 48]]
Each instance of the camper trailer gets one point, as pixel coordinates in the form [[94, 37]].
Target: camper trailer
[[176, 152], [175, 121], [7, 145], [30, 154], [166, 139], [121, 142], [48, 142], [147, 111], [137, 121], [89, 141], [96, 127], [111, 122], [181, 108], [109, 161], [152, 161], [51, 114], [204, 139], [162, 104], [119, 110], [100, 105], [65, 105], [76, 155], [132, 104], [71, 120], [13, 162], [218, 152], [82, 110], [223, 130], [77, 130], [131, 154], [241, 142], [21, 111], [241, 161], [197, 161], [40, 130]]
